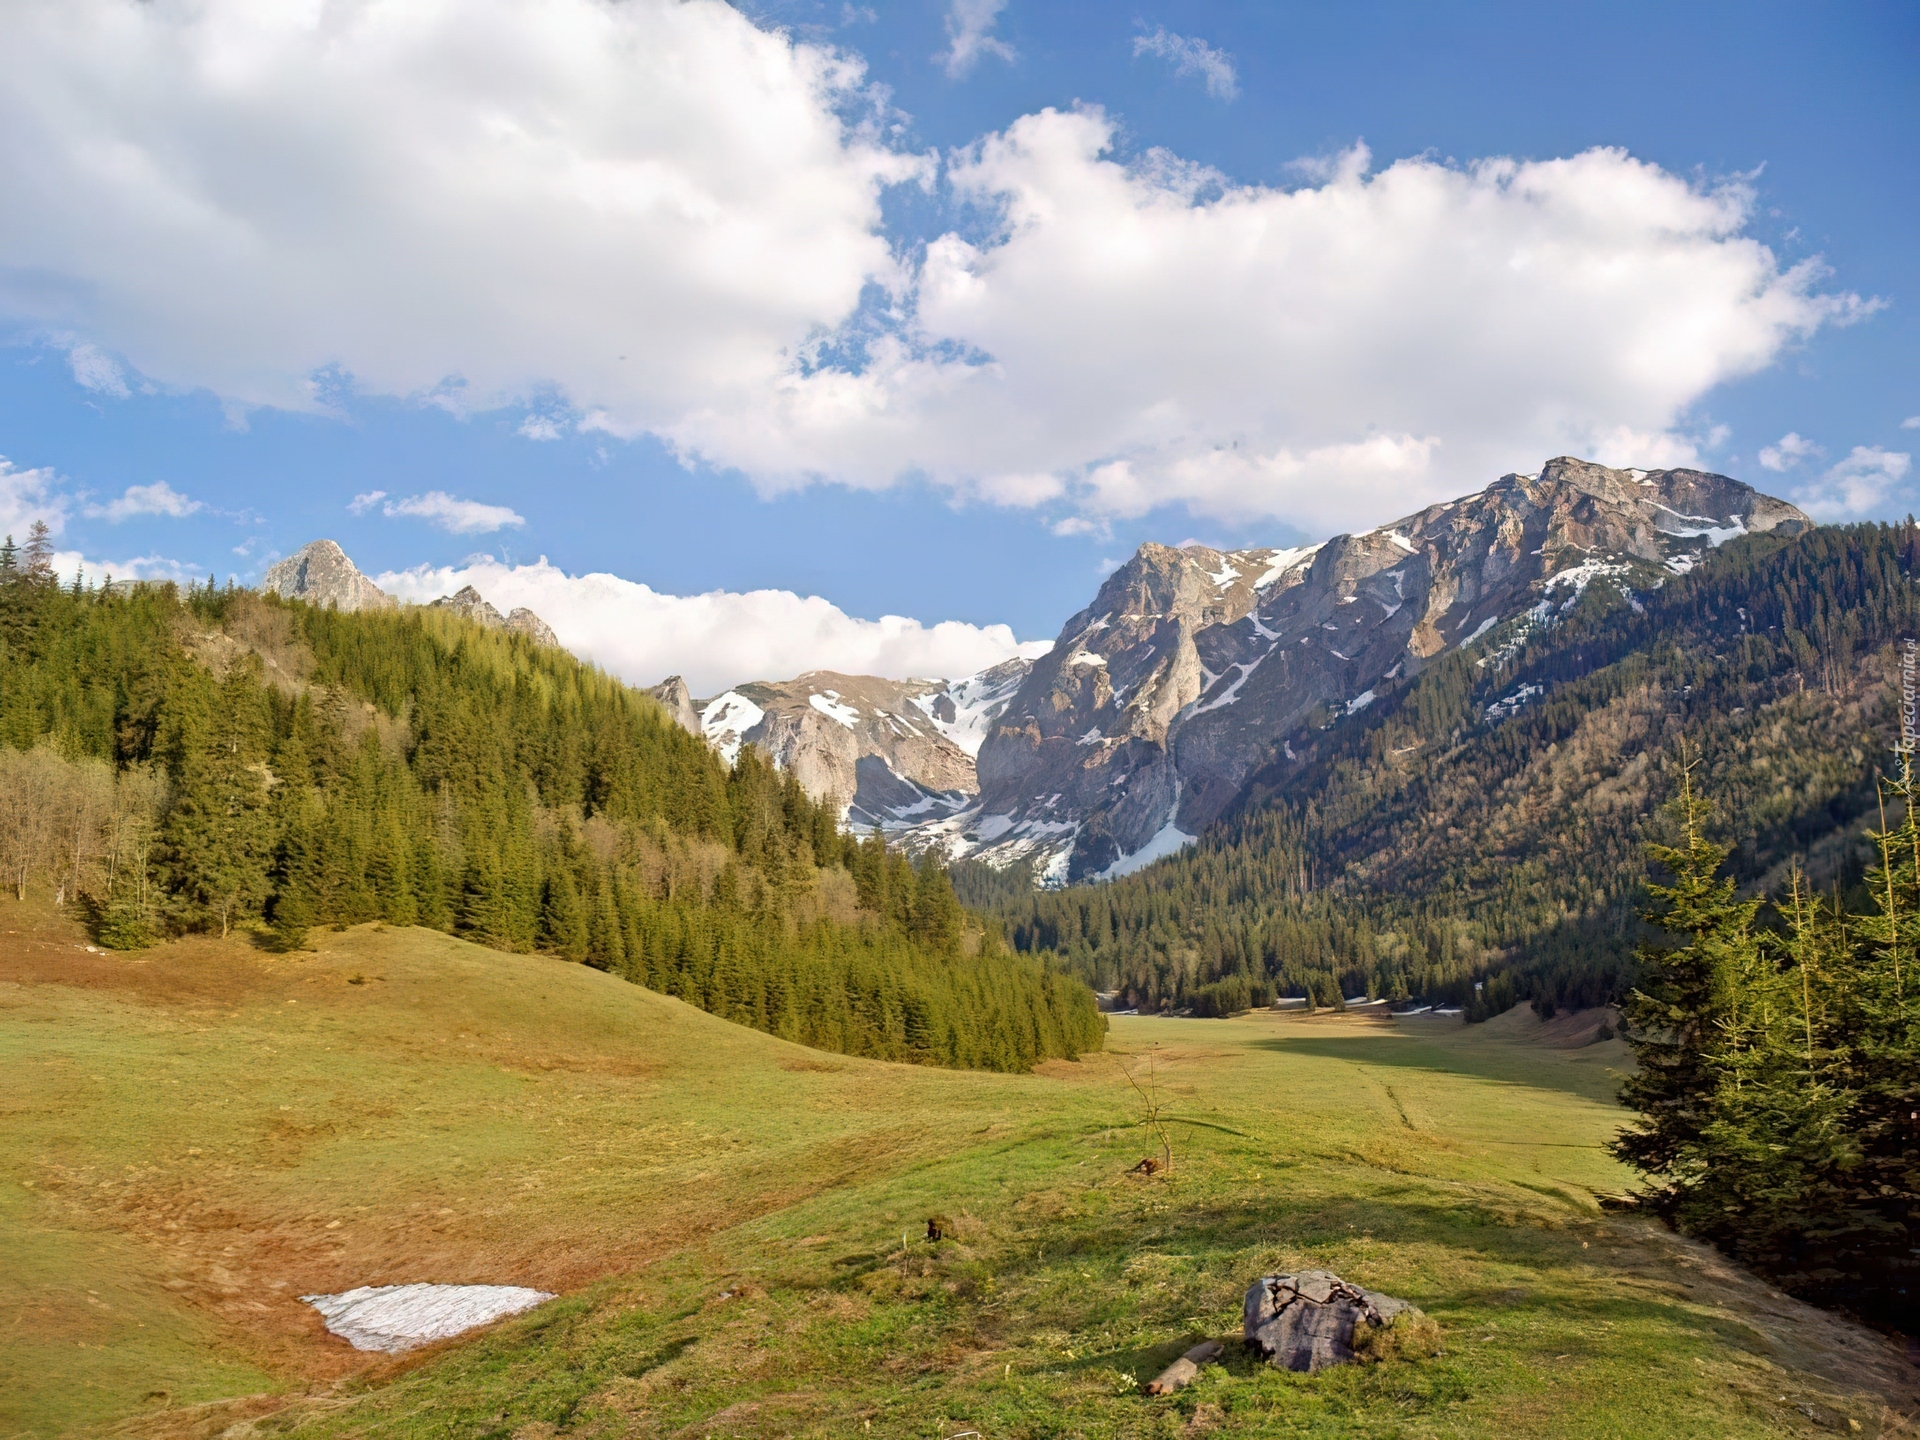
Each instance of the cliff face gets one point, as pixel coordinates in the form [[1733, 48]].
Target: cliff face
[[1192, 667], [321, 574], [896, 752], [674, 697]]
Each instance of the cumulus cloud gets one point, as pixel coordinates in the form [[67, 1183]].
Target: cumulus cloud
[[1135, 335], [437, 507], [138, 501], [718, 639], [1860, 485], [1912, 422], [1188, 56], [649, 205], [1788, 451], [665, 220], [970, 25], [27, 496]]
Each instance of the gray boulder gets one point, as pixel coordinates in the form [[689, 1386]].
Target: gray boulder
[[1313, 1319]]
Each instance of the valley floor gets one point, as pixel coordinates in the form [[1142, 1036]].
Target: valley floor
[[196, 1136]]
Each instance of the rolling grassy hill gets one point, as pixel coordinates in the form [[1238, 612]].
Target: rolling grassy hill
[[200, 1133]]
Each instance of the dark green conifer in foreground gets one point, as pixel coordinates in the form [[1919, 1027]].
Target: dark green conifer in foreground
[[303, 768], [1779, 1085]]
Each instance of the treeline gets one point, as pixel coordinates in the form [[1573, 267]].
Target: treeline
[[1779, 1076], [221, 760], [1438, 848]]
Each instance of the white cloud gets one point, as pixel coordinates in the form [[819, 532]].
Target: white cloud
[[540, 427], [1189, 56], [1858, 486], [1912, 422], [970, 35], [96, 370], [664, 220], [158, 498], [1134, 336], [718, 639], [365, 501], [27, 496], [647, 206], [1789, 451], [436, 507]]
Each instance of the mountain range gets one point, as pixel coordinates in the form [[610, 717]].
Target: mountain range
[[1192, 670], [321, 574]]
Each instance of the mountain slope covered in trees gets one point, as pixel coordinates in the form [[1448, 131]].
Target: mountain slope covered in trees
[[224, 759], [1486, 828]]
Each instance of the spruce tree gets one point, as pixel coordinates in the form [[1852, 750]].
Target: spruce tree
[[1680, 998]]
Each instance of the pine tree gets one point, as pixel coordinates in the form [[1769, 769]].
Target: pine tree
[[36, 558], [1679, 1001]]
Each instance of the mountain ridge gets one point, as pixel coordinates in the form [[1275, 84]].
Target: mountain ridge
[[321, 574], [1193, 667]]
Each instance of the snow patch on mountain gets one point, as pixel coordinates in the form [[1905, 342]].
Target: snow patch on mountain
[[828, 703], [726, 719], [1279, 562]]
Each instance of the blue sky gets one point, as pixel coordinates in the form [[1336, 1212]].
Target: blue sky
[[924, 310]]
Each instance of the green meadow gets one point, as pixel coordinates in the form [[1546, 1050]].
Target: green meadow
[[196, 1135]]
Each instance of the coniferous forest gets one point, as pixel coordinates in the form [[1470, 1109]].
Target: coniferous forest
[[1779, 1065], [220, 760], [1477, 837]]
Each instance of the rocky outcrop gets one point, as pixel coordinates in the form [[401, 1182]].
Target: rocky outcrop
[[522, 621], [895, 753], [469, 604], [1193, 668], [872, 744], [1313, 1319], [677, 701], [322, 575]]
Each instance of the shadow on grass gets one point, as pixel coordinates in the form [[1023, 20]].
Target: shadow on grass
[[1507, 1066]]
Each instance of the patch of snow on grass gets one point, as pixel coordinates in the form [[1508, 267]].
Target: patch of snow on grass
[[1225, 575], [1087, 657], [1092, 737], [1360, 702], [1403, 542], [1484, 626], [395, 1318]]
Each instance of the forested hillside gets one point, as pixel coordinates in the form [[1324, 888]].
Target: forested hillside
[[220, 760], [1484, 824]]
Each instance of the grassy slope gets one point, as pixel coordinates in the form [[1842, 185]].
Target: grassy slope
[[195, 1137]]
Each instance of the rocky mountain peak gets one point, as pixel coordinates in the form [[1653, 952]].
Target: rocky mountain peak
[[896, 753], [673, 695], [469, 604], [321, 574], [1194, 667]]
